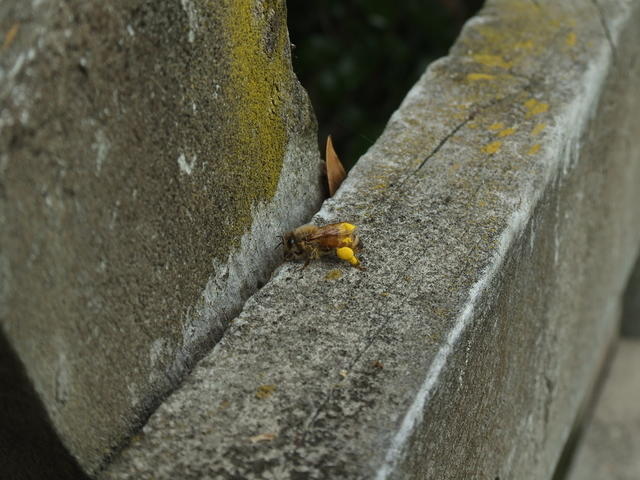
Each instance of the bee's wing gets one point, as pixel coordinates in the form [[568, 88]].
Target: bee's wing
[[342, 229]]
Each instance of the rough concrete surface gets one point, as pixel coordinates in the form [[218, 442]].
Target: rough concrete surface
[[500, 218], [150, 152], [610, 446]]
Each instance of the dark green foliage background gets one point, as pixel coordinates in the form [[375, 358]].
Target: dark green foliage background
[[357, 59]]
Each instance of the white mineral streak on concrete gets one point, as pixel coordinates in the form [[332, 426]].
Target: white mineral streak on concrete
[[565, 138], [192, 15], [160, 348], [114, 215], [101, 146], [5, 283], [556, 234], [17, 66], [62, 379], [185, 165], [134, 396], [532, 234], [157, 350]]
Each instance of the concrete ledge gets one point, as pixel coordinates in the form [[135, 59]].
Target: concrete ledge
[[499, 217]]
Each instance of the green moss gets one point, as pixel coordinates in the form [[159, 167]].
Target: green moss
[[238, 98], [259, 70]]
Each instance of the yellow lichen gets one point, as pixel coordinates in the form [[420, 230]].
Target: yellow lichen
[[334, 274], [520, 32], [538, 129], [534, 107], [491, 60], [492, 147], [479, 76], [506, 132], [258, 132], [496, 126], [534, 149], [526, 45], [571, 39], [265, 391]]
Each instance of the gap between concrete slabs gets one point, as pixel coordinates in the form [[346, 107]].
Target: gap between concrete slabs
[[467, 346]]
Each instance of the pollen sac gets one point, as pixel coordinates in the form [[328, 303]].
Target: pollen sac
[[346, 253]]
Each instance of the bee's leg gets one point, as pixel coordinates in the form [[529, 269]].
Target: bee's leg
[[314, 254], [355, 262], [356, 244]]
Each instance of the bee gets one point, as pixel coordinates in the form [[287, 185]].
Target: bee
[[310, 242]]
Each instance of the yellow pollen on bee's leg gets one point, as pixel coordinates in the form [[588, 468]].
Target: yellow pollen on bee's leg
[[348, 227], [346, 253]]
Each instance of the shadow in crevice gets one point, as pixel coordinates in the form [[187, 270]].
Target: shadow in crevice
[[29, 447], [631, 304]]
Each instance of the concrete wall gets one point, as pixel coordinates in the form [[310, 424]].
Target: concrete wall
[[500, 218], [150, 152]]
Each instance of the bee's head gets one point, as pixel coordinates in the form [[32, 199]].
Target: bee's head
[[286, 241], [291, 249]]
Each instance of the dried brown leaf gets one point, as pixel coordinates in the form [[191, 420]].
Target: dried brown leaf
[[10, 36], [335, 171], [265, 391], [262, 437]]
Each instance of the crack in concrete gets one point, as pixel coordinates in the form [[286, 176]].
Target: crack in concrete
[[445, 140], [607, 32], [437, 148], [350, 366]]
